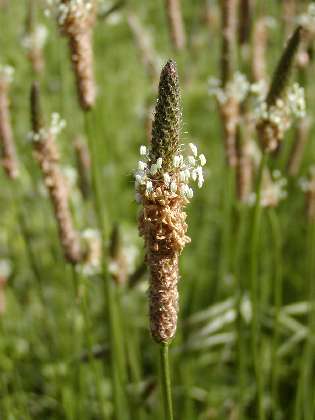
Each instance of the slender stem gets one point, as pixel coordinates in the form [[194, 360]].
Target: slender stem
[[276, 239], [304, 387], [81, 288], [166, 382], [308, 357], [240, 294], [117, 362], [254, 289], [227, 218]]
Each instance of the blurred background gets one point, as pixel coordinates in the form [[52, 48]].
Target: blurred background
[[56, 360]]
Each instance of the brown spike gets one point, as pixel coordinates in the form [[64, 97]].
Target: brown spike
[[8, 151], [175, 24]]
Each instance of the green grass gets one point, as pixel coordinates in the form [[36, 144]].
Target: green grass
[[49, 336]]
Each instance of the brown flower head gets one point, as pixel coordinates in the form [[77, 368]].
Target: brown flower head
[[162, 189]]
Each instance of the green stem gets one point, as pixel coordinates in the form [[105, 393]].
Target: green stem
[[302, 407], [166, 382], [254, 289], [276, 239], [117, 364], [240, 294], [81, 293], [227, 221], [308, 356]]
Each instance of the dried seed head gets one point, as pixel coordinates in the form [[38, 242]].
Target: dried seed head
[[8, 151], [167, 122], [76, 19], [47, 155], [175, 23], [162, 188]]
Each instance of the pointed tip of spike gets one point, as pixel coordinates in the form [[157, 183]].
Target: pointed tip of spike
[[170, 66]]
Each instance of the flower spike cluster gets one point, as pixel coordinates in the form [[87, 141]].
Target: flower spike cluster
[[76, 19], [274, 115], [7, 145], [162, 188], [47, 155]]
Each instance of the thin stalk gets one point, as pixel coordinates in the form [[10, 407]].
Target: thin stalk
[[81, 287], [254, 288], [166, 382], [302, 408], [117, 364], [276, 239], [227, 218], [241, 234]]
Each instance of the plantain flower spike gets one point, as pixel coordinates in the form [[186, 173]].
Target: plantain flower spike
[[7, 145], [175, 23], [46, 153], [162, 188], [76, 19], [275, 114]]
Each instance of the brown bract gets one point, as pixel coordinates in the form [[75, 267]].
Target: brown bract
[[79, 30], [175, 23], [8, 152], [47, 156], [163, 227]]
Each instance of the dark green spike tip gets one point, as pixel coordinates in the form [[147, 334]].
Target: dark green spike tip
[[167, 122], [284, 67]]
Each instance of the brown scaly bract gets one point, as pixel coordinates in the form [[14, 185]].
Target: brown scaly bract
[[163, 192], [8, 152], [175, 23], [48, 159], [46, 154], [77, 25], [162, 224]]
